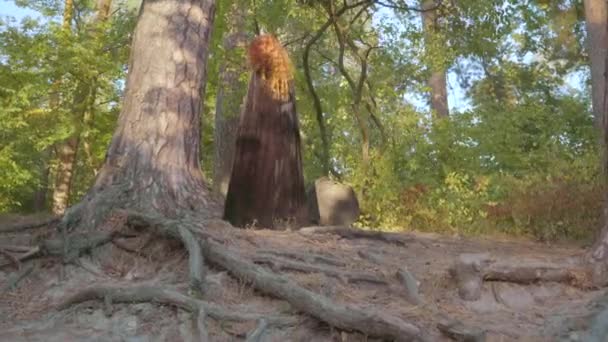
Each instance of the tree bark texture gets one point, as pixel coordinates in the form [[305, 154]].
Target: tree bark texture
[[267, 182], [437, 82], [596, 12], [152, 162], [230, 94], [66, 159], [598, 255]]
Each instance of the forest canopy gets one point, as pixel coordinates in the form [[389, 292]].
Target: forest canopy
[[464, 117]]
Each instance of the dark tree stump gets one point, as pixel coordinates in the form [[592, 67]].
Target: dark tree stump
[[267, 183]]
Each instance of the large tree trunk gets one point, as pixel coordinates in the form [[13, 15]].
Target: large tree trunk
[[152, 163], [437, 82], [596, 12], [230, 94], [267, 183]]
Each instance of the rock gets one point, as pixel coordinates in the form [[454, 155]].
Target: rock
[[332, 204]]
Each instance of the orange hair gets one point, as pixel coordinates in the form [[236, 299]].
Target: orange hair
[[270, 60]]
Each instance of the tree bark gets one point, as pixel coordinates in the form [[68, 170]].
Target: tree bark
[[596, 12], [230, 94], [437, 81], [152, 163], [598, 255], [267, 181], [39, 202], [66, 158]]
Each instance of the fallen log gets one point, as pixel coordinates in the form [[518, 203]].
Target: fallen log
[[471, 270]]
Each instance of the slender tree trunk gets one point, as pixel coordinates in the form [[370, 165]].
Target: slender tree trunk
[[67, 151], [596, 12], [230, 94], [598, 255], [152, 163], [437, 82], [39, 202], [66, 161]]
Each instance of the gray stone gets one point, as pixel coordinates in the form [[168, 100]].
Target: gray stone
[[331, 203]]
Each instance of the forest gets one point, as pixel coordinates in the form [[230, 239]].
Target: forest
[[473, 134]]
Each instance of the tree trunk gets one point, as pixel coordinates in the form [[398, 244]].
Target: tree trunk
[[230, 94], [66, 158], [152, 163], [597, 43], [39, 202], [67, 151], [267, 183], [437, 81], [598, 255]]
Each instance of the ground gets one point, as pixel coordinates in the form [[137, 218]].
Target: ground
[[506, 311]]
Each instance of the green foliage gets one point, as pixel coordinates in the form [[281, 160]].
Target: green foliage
[[42, 66], [520, 157]]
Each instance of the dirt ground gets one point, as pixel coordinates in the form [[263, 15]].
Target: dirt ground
[[506, 311]]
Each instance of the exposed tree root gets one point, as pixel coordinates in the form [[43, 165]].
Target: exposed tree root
[[200, 328], [354, 233], [470, 270], [21, 226], [411, 286], [196, 263], [23, 254], [159, 295], [370, 256], [257, 334], [352, 277], [14, 279], [306, 257], [457, 331], [11, 258], [344, 316]]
